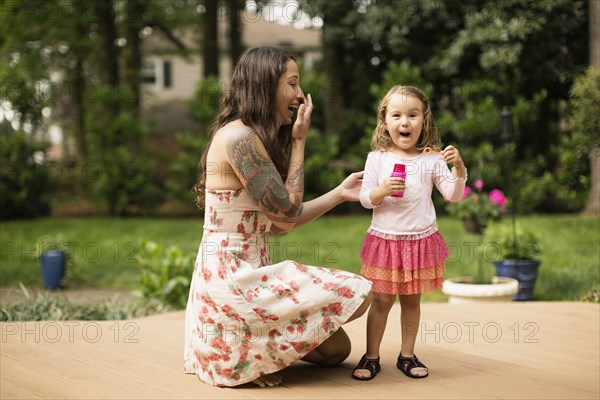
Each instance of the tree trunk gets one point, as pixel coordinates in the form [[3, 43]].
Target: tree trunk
[[594, 9], [78, 101], [132, 53], [79, 108], [593, 202], [210, 45], [235, 30], [109, 60], [334, 100]]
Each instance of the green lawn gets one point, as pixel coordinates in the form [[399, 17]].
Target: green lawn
[[104, 249]]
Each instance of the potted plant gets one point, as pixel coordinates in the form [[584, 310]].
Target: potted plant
[[478, 207], [53, 254], [480, 286], [462, 289], [513, 252]]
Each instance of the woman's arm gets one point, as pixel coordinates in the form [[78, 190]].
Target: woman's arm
[[313, 209], [281, 202], [260, 177]]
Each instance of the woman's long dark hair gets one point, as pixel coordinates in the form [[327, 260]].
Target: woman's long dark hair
[[251, 98]]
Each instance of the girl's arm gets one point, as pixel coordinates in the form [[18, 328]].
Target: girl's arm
[[313, 209], [371, 192], [452, 156], [451, 185]]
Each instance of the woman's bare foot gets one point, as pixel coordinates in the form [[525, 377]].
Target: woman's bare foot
[[268, 380]]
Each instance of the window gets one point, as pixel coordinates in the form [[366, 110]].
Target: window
[[149, 72], [167, 74]]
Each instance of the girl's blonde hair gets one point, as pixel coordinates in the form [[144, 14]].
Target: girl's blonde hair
[[430, 136]]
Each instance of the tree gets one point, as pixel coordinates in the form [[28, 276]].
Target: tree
[[132, 52], [81, 52], [477, 56], [210, 41], [593, 203], [29, 53], [107, 52], [236, 47]]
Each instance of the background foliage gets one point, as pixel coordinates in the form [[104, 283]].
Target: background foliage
[[471, 57]]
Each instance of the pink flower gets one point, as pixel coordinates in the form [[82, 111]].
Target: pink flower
[[497, 197], [336, 308], [294, 285], [345, 291], [478, 184], [466, 192]]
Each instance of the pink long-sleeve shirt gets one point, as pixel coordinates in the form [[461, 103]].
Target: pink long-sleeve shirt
[[413, 214]]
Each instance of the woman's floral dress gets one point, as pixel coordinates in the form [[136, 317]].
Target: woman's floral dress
[[246, 318]]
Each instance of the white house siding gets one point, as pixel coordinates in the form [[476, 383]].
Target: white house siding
[[165, 108]]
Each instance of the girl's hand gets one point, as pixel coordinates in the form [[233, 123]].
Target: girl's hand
[[452, 156], [349, 189], [392, 185], [300, 128]]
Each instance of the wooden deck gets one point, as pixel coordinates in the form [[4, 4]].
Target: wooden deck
[[530, 350]]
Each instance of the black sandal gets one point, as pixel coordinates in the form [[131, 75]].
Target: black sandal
[[406, 364], [369, 364]]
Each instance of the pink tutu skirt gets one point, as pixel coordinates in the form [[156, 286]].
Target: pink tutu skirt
[[404, 264]]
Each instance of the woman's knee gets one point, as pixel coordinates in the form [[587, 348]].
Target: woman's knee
[[332, 351], [336, 348]]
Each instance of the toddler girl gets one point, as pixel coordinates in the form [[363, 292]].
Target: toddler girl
[[403, 253]]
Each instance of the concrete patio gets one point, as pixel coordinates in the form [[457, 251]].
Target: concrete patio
[[535, 350]]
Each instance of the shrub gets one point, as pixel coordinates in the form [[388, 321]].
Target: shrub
[[320, 173], [585, 101], [501, 236], [203, 106], [591, 296], [44, 307], [184, 169], [166, 274], [125, 181], [124, 175], [24, 188]]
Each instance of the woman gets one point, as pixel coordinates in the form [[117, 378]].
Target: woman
[[247, 319]]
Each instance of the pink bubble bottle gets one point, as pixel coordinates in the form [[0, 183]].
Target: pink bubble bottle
[[399, 172]]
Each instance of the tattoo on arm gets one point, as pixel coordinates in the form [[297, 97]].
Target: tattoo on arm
[[295, 181], [262, 178]]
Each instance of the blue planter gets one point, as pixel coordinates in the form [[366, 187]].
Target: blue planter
[[53, 268], [525, 271]]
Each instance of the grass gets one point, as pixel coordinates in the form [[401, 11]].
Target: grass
[[105, 249]]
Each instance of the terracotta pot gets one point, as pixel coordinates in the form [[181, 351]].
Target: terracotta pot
[[471, 225]]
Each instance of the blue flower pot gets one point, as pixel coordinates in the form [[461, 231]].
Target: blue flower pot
[[525, 271], [53, 268]]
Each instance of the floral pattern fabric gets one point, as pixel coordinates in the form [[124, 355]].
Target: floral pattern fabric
[[245, 317]]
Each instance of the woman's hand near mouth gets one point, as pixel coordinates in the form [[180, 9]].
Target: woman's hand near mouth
[[302, 123]]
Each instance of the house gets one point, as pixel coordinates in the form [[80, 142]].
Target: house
[[170, 79]]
